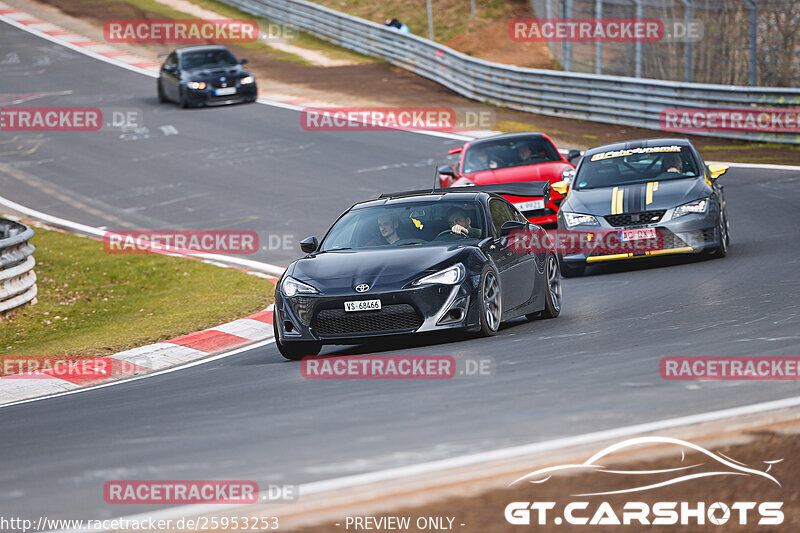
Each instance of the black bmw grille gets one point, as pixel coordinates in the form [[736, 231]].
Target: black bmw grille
[[635, 219], [393, 318]]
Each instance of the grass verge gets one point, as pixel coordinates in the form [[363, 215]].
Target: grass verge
[[95, 303]]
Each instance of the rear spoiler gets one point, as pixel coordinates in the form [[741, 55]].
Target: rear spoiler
[[531, 189]]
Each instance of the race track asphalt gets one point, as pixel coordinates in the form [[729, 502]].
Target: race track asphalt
[[252, 415]]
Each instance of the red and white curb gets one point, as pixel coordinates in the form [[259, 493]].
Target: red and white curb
[[143, 360]]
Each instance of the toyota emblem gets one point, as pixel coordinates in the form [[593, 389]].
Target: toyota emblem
[[362, 288]]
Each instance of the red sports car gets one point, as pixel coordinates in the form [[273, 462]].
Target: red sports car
[[513, 157]]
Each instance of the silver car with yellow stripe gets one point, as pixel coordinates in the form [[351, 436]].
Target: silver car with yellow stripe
[[652, 183]]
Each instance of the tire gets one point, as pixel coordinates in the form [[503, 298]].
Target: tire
[[552, 297], [294, 351], [162, 98], [570, 271], [724, 238], [491, 305], [182, 101]]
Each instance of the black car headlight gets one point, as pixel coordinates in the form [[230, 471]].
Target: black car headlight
[[291, 286], [247, 80], [579, 219], [449, 276], [197, 85], [692, 208]]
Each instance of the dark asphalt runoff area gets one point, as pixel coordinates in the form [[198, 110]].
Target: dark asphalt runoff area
[[253, 416]]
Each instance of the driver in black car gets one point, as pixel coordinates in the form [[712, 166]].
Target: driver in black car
[[388, 224], [460, 223], [673, 163]]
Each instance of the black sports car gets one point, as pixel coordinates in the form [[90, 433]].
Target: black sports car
[[415, 262], [205, 75], [634, 188]]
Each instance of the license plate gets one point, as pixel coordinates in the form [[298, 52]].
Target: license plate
[[363, 305], [530, 206], [225, 91], [637, 234]]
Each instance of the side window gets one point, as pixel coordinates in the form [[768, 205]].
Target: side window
[[172, 60], [501, 213]]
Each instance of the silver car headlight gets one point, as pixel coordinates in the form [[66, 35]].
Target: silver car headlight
[[449, 276], [579, 219], [291, 286], [692, 208]]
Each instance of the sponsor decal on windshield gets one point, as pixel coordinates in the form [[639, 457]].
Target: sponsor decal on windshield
[[631, 151]]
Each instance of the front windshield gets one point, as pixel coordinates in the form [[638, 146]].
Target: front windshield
[[208, 59], [636, 165], [406, 224], [509, 153]]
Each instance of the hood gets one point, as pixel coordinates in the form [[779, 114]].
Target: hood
[[550, 171], [206, 74], [382, 269], [669, 193]]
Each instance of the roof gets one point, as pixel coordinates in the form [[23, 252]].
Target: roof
[[202, 48], [639, 143], [506, 136]]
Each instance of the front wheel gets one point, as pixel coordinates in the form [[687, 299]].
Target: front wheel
[[552, 299], [724, 239], [490, 301], [162, 98], [294, 351], [183, 102]]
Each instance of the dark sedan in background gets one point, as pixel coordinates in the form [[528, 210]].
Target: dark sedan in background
[[205, 75], [413, 263], [648, 189]]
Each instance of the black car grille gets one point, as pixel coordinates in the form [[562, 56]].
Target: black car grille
[[670, 240], [635, 219], [395, 318]]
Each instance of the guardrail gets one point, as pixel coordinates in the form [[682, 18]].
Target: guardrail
[[17, 278], [609, 99]]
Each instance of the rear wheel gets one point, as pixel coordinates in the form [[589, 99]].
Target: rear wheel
[[491, 304], [294, 351]]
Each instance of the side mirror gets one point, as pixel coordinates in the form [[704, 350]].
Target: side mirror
[[717, 170], [309, 245], [170, 68], [561, 187], [512, 225], [447, 170], [243, 62], [573, 155]]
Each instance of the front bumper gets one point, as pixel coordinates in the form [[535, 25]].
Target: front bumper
[[322, 318], [687, 234], [244, 93]]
